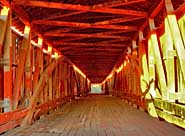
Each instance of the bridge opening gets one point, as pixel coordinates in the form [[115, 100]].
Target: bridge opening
[[96, 89]]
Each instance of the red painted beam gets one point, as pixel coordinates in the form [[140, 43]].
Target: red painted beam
[[63, 6], [118, 20], [106, 4], [82, 25], [84, 44], [152, 15], [86, 35], [11, 119]]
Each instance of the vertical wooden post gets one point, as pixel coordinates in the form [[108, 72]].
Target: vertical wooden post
[[133, 58], [20, 66], [168, 56], [143, 63], [3, 27], [151, 68], [38, 61], [54, 83], [28, 73], [72, 80], [57, 81], [144, 79], [60, 80], [158, 60], [7, 56], [65, 80], [46, 92], [50, 88]]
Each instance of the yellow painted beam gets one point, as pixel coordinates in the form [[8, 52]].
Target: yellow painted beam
[[168, 57], [171, 112], [151, 66], [158, 61], [181, 23]]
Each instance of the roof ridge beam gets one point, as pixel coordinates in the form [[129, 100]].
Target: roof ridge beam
[[85, 44], [85, 35], [82, 25]]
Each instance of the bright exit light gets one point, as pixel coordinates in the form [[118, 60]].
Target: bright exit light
[[96, 88]]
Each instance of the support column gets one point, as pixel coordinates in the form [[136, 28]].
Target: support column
[[151, 67], [38, 61], [3, 26], [158, 61], [7, 57], [28, 75], [168, 57], [51, 88], [20, 66], [145, 77]]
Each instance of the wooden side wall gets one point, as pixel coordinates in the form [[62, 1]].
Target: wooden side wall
[[32, 82], [152, 77]]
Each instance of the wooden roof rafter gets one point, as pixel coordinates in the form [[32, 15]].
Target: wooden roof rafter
[[93, 55], [81, 25], [89, 47], [63, 6], [65, 30], [85, 44], [97, 51], [86, 35], [61, 32], [106, 4], [84, 39], [118, 20], [113, 41]]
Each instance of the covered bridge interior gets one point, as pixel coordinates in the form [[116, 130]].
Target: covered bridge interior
[[51, 51]]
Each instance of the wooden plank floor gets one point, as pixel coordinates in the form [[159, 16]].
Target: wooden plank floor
[[98, 116]]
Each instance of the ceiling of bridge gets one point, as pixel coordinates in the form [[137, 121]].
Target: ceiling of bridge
[[93, 34]]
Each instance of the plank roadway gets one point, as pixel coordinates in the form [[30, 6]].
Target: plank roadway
[[98, 115]]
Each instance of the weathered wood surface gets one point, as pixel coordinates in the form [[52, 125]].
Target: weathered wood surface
[[98, 116]]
